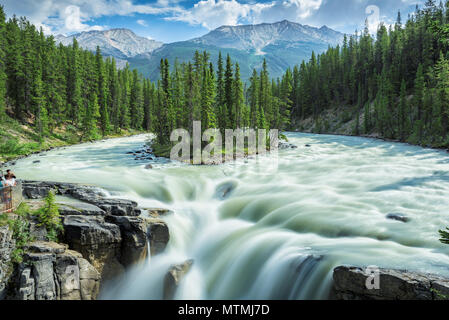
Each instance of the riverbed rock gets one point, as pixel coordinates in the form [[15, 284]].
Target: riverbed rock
[[7, 246], [158, 234], [398, 217], [98, 241], [350, 284], [134, 245], [174, 276], [52, 272], [285, 145]]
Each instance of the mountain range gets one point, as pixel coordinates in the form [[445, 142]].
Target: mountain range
[[283, 44]]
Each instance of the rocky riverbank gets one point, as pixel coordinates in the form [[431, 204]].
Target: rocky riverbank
[[102, 237], [350, 283]]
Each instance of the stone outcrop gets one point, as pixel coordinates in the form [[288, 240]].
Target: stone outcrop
[[98, 241], [52, 272], [158, 234], [134, 245], [7, 245], [173, 277], [350, 284], [105, 237]]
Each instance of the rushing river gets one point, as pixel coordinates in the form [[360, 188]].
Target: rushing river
[[281, 230]]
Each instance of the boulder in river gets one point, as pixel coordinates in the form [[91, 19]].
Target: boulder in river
[[174, 276], [224, 190], [350, 284], [398, 217]]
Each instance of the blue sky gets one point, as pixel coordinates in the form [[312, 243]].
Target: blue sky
[[176, 20]]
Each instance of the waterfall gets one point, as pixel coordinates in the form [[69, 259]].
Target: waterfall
[[258, 231]]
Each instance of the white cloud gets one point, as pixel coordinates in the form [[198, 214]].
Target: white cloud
[[142, 23], [65, 16], [214, 13], [72, 20]]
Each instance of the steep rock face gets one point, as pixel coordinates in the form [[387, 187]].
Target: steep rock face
[[52, 272], [7, 245], [350, 284], [158, 234], [134, 246], [98, 241]]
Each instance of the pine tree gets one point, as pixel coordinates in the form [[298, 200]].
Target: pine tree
[[74, 100], [227, 112], [102, 93], [238, 99], [90, 118], [208, 97], [220, 98], [253, 92], [136, 102]]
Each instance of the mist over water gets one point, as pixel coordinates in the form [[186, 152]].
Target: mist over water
[[260, 233]]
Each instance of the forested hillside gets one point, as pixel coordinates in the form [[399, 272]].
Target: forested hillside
[[395, 85], [55, 90]]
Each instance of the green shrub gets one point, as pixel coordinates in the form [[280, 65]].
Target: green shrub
[[49, 217], [21, 234], [3, 219], [14, 147]]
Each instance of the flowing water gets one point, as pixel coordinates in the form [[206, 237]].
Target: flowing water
[[259, 231]]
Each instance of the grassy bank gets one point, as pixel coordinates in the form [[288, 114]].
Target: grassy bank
[[20, 140]]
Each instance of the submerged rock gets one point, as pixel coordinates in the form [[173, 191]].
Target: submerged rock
[[398, 217], [350, 284], [224, 190], [174, 276], [286, 145]]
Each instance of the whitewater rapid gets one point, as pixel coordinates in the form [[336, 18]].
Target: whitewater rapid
[[284, 225]]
